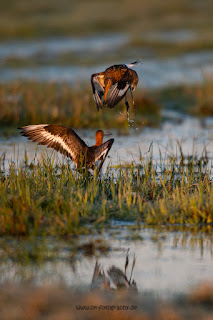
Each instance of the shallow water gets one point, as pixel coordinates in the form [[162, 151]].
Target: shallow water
[[171, 36], [167, 263], [195, 136], [53, 46], [155, 72]]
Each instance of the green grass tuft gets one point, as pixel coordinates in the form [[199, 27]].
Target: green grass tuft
[[50, 198]]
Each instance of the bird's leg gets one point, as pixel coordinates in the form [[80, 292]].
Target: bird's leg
[[127, 107], [133, 102]]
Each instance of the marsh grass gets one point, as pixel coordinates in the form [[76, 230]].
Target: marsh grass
[[47, 197], [195, 100], [24, 103], [41, 249], [204, 99]]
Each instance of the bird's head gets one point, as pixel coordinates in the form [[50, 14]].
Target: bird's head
[[99, 137]]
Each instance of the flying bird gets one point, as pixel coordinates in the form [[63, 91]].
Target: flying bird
[[66, 141], [120, 75]]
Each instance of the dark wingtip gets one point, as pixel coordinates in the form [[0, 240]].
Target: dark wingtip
[[97, 100], [132, 64], [111, 141], [137, 62], [92, 76], [21, 131]]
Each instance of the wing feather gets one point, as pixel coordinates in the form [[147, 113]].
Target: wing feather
[[60, 138], [117, 94], [97, 100], [97, 88], [102, 151]]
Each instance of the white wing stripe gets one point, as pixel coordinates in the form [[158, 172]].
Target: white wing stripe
[[41, 132], [34, 127], [121, 92], [103, 153], [59, 140]]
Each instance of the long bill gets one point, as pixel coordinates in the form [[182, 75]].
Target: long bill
[[107, 134]]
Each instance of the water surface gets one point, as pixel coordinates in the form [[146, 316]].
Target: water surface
[[167, 263], [155, 72], [194, 135]]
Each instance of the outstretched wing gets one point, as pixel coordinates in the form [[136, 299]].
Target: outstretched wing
[[60, 138], [97, 88], [117, 94], [102, 151]]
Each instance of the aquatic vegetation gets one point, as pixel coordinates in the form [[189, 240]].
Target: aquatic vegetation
[[24, 103], [192, 99], [49, 197]]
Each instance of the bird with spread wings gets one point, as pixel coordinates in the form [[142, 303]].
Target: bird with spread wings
[[67, 142], [120, 75]]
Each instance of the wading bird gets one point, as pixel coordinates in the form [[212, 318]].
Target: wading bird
[[119, 75], [66, 141]]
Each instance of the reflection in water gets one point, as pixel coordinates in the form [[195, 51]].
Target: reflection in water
[[169, 262], [116, 276]]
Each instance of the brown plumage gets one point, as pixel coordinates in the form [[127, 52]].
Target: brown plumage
[[66, 141], [119, 75]]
